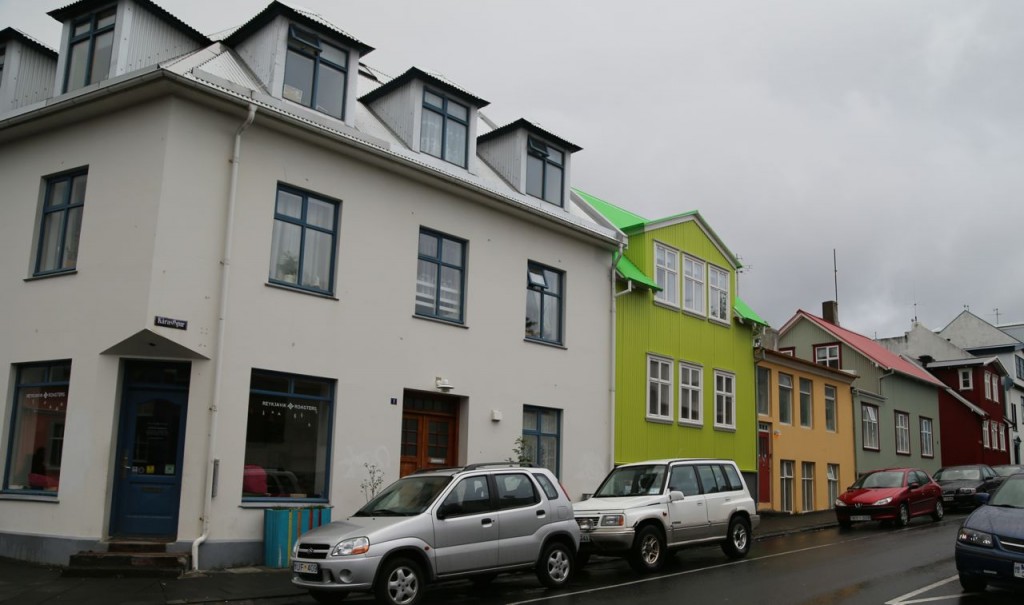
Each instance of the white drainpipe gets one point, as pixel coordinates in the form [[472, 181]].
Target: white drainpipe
[[225, 273], [611, 380]]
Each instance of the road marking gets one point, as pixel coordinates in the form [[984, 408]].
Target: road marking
[[684, 573], [903, 599]]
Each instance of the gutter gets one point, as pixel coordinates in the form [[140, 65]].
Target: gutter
[[225, 274]]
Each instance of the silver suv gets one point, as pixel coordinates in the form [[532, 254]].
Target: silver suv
[[644, 510], [472, 522]]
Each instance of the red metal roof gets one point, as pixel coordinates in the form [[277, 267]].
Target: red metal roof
[[868, 348]]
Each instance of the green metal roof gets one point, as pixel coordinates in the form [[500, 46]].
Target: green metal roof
[[743, 310], [622, 219], [633, 273]]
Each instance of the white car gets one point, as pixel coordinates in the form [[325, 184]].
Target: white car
[[643, 511]]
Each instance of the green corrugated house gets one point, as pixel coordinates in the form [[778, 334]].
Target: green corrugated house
[[684, 376]]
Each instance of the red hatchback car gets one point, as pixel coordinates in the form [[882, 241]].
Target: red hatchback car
[[891, 494]]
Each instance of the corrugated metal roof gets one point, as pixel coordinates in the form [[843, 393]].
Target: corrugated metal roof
[[743, 310], [437, 80], [10, 33], [874, 351], [621, 218], [631, 272], [970, 361], [533, 128], [303, 16], [75, 9], [229, 67]]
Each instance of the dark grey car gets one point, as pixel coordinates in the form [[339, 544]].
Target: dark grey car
[[472, 522]]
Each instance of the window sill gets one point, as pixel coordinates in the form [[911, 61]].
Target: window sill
[[438, 320], [666, 305], [693, 424], [553, 345], [53, 274], [33, 497], [659, 420], [725, 429], [301, 291], [696, 314], [719, 322]]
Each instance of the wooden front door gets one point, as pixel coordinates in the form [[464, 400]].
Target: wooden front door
[[764, 462], [430, 429]]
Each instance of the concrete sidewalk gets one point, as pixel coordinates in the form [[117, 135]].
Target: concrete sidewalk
[[28, 584]]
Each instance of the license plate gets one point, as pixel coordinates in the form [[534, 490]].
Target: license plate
[[947, 498], [860, 517], [301, 567], [1018, 569], [584, 537]]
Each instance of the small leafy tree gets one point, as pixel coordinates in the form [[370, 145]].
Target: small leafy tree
[[373, 481], [520, 452]]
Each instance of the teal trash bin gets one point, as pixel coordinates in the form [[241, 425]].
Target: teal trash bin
[[283, 526]]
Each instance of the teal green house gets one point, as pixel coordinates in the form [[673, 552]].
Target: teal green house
[[684, 364]]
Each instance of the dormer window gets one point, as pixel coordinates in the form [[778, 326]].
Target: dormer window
[[545, 166], [314, 73], [444, 129], [90, 49]]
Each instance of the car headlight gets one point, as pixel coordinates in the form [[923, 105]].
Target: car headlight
[[966, 490], [613, 520], [974, 537], [883, 501], [352, 546], [840, 503]]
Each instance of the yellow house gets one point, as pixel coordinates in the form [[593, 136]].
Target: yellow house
[[805, 436]]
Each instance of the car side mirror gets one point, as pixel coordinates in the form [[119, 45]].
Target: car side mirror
[[675, 496], [447, 510], [982, 497], [915, 485]]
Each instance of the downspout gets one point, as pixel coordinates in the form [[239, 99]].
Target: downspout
[[225, 273], [611, 378]]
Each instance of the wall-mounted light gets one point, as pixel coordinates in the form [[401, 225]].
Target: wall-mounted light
[[442, 384]]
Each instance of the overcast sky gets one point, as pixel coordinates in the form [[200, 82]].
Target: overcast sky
[[890, 131]]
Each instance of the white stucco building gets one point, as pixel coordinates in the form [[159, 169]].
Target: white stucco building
[[238, 271]]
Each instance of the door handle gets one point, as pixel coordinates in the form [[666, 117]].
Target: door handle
[[540, 513], [485, 521]]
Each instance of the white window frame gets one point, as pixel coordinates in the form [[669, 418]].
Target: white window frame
[[966, 381], [691, 391], [786, 472], [993, 428], [985, 435], [927, 439], [831, 408], [902, 433], [692, 282], [806, 487], [1002, 438], [725, 400], [988, 386], [718, 291], [666, 274], [832, 473], [995, 387], [664, 388], [869, 427], [827, 359], [787, 402]]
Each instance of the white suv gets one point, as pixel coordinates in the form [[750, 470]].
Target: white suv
[[644, 510], [472, 522]]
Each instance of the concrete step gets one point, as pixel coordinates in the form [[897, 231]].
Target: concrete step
[[95, 564]]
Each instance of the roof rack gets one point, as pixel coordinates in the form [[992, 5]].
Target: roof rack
[[435, 469], [476, 465]]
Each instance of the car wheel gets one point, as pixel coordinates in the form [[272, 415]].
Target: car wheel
[[555, 566], [737, 541], [648, 552], [972, 583], [902, 515], [399, 582], [939, 512], [327, 597]]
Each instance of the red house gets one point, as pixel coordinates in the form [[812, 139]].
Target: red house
[[971, 411]]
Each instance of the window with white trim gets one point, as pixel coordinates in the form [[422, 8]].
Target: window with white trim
[[830, 408], [764, 384], [832, 471], [1002, 438], [666, 274], [725, 400], [785, 399], [869, 426], [927, 444], [786, 471], [985, 435], [718, 293], [827, 355], [659, 388], [988, 385], [690, 393], [965, 379], [693, 284], [993, 428], [807, 486], [995, 387], [902, 433]]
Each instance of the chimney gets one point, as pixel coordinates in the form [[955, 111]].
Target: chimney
[[830, 312]]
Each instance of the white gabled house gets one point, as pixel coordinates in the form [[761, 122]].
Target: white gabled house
[[240, 271]]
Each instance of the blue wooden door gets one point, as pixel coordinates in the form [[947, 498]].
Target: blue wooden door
[[151, 438]]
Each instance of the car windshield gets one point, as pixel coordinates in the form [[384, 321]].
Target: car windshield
[[644, 479], [1010, 493], [881, 479], [957, 474], [405, 497], [1006, 471]]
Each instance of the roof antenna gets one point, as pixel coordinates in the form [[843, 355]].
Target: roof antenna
[[996, 311], [835, 273]]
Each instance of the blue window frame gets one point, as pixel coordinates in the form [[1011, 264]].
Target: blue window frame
[[440, 276], [444, 128], [542, 437], [37, 428], [545, 170], [90, 49], [61, 224], [315, 73], [544, 300], [303, 246], [288, 437]]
